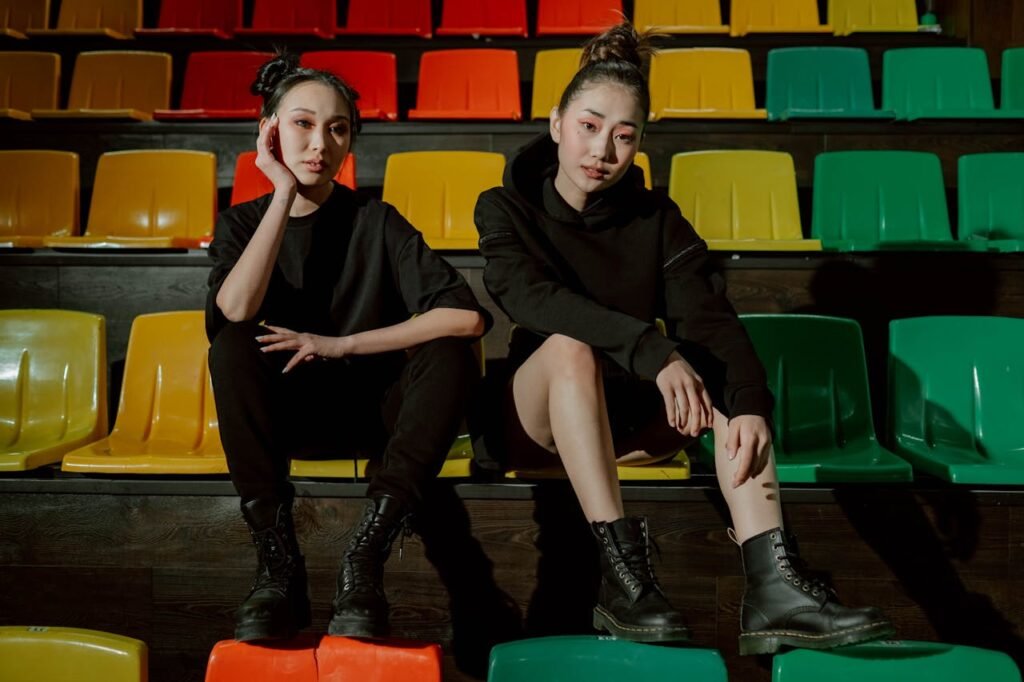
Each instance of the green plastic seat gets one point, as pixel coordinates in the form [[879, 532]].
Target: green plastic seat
[[956, 397], [991, 189], [1013, 80], [873, 200], [820, 82], [601, 659], [895, 661], [939, 82]]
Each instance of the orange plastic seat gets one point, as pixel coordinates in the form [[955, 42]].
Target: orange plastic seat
[[217, 87], [147, 198], [108, 18], [703, 83], [116, 84], [250, 182], [552, 71], [312, 18], [575, 17], [292, 660], [775, 16], [38, 196], [182, 18], [374, 75], [483, 17], [19, 16], [468, 84], [166, 420], [28, 80], [388, 18], [344, 659], [679, 16]]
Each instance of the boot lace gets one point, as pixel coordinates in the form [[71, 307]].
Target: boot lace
[[276, 566], [796, 570]]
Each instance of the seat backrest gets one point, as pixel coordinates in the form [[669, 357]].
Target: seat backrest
[[123, 16], [865, 15], [649, 14], [221, 79], [20, 15], [552, 71], [573, 16], [1012, 79], [643, 162], [737, 194], [957, 381], [154, 193], [879, 196], [469, 80], [921, 79], [225, 15], [374, 75], [784, 14], [38, 193], [29, 80], [121, 80], [437, 191], [62, 654], [53, 378], [833, 79], [495, 14], [378, 15], [991, 195], [250, 182], [271, 15], [702, 78]]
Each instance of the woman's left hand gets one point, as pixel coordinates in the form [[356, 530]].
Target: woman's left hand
[[749, 440], [307, 347]]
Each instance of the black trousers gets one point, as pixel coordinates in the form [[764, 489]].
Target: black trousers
[[403, 415]]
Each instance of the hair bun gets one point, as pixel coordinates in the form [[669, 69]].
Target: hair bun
[[272, 72], [620, 43]]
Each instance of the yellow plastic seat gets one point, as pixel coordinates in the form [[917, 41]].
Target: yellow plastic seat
[[36, 653], [703, 83], [18, 16], [28, 80], [53, 385], [116, 84], [679, 16], [675, 469], [875, 16], [166, 420], [775, 16], [38, 196], [552, 71], [643, 162], [740, 200], [437, 192], [147, 199], [107, 18]]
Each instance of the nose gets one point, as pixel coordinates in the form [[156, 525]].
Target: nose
[[316, 139], [603, 148]]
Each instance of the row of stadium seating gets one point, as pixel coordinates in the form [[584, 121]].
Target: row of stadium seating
[[318, 18], [954, 401], [736, 200], [483, 84]]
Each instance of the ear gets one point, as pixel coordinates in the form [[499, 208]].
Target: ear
[[555, 125]]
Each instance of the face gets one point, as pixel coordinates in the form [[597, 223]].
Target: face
[[314, 132], [598, 136]]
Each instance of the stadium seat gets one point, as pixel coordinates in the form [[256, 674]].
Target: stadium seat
[[38, 196], [675, 467], [601, 659], [775, 16], [28, 80], [679, 16], [820, 82], [53, 390], [643, 162], [576, 17], [872, 16], [740, 200], [479, 84], [483, 18], [250, 182], [1012, 95], [347, 659], [873, 200], [458, 464], [55, 654], [105, 18], [166, 421], [703, 83], [374, 76], [196, 18], [388, 18], [552, 71], [19, 16], [955, 399], [217, 87], [296, 18], [991, 199], [116, 84], [290, 660]]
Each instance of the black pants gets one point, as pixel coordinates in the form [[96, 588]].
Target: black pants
[[405, 415]]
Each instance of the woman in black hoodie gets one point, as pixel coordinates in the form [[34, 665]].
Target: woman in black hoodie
[[585, 260]]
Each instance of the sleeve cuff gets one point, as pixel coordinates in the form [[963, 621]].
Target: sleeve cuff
[[651, 353]]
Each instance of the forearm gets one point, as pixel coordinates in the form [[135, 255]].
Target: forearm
[[433, 324]]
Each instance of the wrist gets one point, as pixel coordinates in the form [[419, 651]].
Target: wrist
[[344, 346]]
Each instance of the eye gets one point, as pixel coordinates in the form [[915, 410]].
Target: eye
[[587, 125], [340, 131], [302, 123], [627, 138]]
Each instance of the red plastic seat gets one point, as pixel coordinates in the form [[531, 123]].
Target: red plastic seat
[[372, 74], [217, 86], [483, 17], [292, 660], [572, 17], [468, 84], [388, 18], [316, 18], [213, 18], [251, 183], [342, 659]]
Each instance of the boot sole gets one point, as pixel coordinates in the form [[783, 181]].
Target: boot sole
[[357, 627], [605, 621], [770, 641]]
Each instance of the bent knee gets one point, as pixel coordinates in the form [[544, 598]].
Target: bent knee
[[233, 341], [570, 357]]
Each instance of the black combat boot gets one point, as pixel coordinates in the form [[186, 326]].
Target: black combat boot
[[630, 603], [360, 606], [782, 606], [278, 603]]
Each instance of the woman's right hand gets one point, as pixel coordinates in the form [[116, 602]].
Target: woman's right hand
[[267, 159], [687, 403]]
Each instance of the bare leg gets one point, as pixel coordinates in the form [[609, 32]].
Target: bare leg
[[754, 506]]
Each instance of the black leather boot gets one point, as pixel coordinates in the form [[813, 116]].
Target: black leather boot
[[360, 606], [782, 606], [278, 603], [630, 603]]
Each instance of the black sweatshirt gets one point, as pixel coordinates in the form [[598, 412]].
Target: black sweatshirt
[[604, 275]]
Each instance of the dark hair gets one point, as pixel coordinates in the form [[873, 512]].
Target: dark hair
[[282, 73], [619, 55]]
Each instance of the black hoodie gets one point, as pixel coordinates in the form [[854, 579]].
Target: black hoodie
[[604, 275]]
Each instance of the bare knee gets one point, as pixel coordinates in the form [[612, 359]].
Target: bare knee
[[568, 358]]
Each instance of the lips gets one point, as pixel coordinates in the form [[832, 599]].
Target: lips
[[594, 173], [314, 166]]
